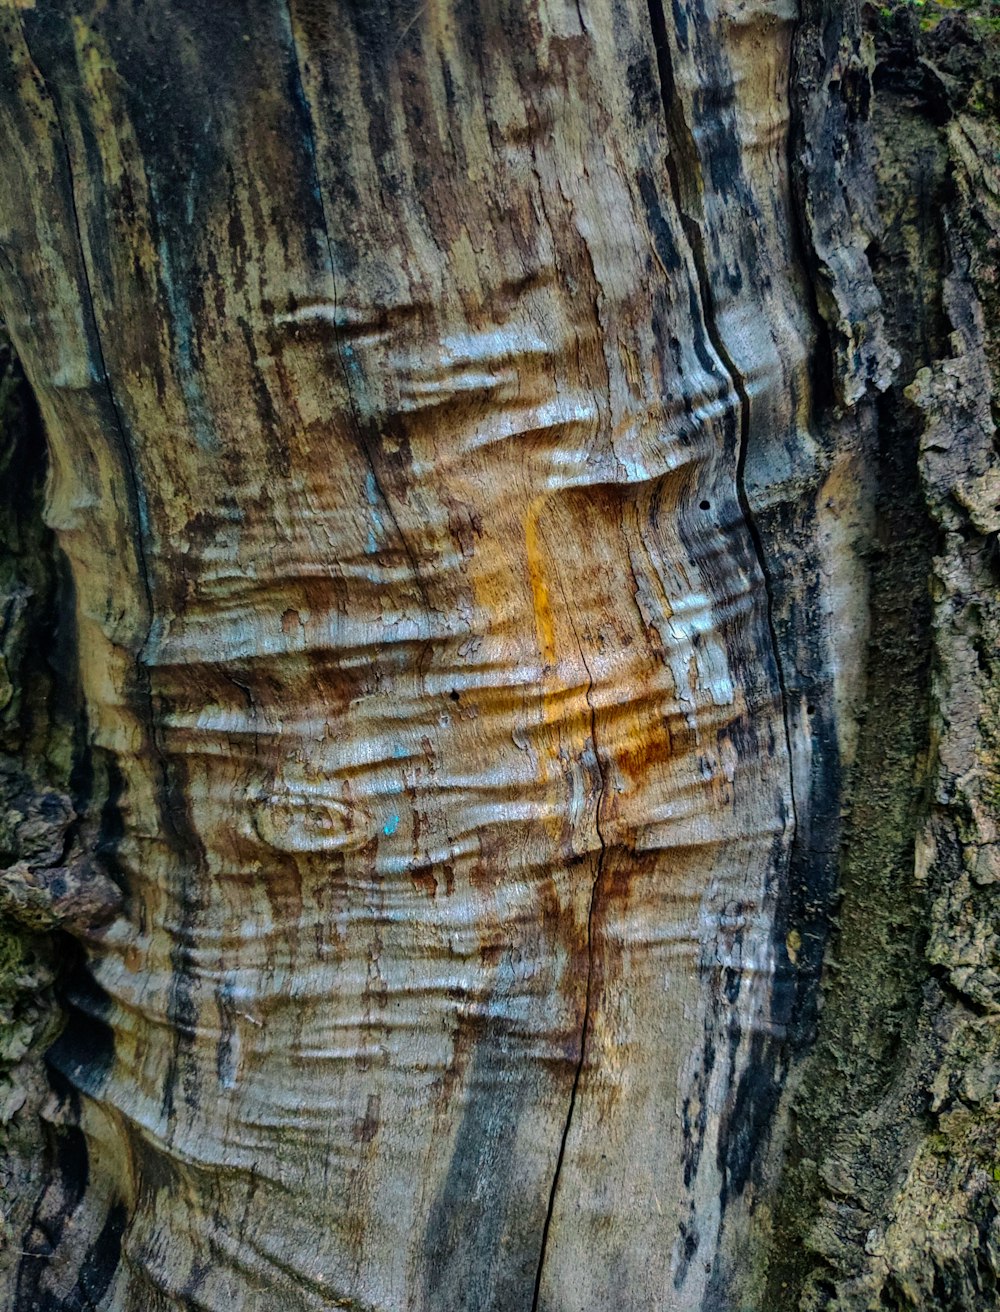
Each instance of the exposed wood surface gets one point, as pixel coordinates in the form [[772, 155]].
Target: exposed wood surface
[[423, 384]]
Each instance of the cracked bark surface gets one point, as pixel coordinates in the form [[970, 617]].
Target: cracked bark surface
[[890, 1197], [465, 445]]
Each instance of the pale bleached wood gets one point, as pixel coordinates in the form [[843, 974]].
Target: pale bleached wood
[[402, 366]]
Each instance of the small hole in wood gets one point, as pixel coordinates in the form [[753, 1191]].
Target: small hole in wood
[[454, 694], [706, 505]]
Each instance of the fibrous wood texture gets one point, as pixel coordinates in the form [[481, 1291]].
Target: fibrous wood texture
[[426, 387]]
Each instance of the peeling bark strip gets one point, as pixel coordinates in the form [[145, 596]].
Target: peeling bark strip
[[412, 373]]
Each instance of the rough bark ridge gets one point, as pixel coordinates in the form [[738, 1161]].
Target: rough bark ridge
[[890, 1198]]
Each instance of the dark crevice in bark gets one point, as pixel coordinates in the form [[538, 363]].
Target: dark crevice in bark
[[806, 641], [685, 185], [685, 182], [585, 1023], [685, 177]]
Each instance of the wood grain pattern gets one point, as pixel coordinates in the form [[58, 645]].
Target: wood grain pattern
[[410, 372]]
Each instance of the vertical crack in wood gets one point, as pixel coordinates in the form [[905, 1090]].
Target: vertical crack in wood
[[686, 185], [585, 1024]]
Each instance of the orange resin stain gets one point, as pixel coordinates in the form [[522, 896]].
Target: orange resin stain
[[544, 626]]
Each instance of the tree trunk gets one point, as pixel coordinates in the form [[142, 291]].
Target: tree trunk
[[466, 451]]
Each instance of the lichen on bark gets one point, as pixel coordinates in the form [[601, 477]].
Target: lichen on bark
[[891, 1187]]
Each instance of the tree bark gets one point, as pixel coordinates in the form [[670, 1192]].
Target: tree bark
[[465, 446]]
